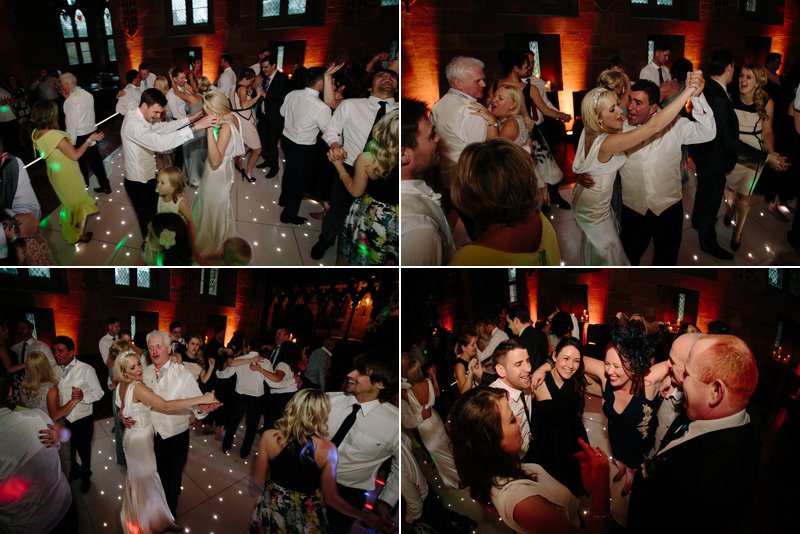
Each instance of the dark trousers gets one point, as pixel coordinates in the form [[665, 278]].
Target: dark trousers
[[270, 130], [69, 523], [297, 174], [710, 187], [341, 523], [171, 456], [275, 408], [243, 404], [81, 444], [341, 200], [92, 158], [145, 201], [665, 230]]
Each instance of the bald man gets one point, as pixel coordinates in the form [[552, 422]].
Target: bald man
[[707, 465], [672, 392]]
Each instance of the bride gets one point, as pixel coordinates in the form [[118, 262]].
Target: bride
[[213, 207], [144, 509], [600, 153]]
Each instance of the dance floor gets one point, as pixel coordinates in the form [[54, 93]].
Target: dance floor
[[217, 497], [117, 239]]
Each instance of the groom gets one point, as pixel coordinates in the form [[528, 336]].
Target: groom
[[171, 381]]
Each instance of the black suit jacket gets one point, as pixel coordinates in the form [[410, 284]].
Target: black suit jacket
[[536, 343], [721, 153], [708, 481], [276, 93]]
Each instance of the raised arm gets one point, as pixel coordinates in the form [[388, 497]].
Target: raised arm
[[544, 109], [217, 144], [74, 154], [144, 394]]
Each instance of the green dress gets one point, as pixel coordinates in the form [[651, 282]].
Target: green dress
[[67, 181]]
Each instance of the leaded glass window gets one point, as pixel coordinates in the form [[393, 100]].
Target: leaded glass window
[[80, 23], [270, 8], [775, 277], [142, 277], [213, 282], [112, 51], [9, 270], [681, 306], [107, 22], [751, 6], [122, 276], [537, 69], [281, 53], [386, 3], [178, 12], [66, 26], [32, 318], [297, 7], [651, 50], [39, 273], [200, 11]]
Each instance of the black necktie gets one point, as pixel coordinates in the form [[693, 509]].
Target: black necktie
[[22, 354], [527, 412], [347, 424], [676, 430], [379, 116], [660, 76]]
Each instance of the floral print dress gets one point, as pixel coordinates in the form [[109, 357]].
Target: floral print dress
[[632, 433]]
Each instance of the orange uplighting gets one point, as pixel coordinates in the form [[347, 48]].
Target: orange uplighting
[[420, 53]]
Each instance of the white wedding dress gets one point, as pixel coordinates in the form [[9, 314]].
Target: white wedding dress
[[212, 209], [600, 242], [433, 434], [144, 507]]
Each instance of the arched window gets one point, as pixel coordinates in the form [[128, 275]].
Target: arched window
[[76, 31], [191, 16], [112, 51]]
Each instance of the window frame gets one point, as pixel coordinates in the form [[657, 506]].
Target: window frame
[[190, 28], [314, 16]]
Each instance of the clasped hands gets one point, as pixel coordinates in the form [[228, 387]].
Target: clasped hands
[[202, 121], [337, 153]]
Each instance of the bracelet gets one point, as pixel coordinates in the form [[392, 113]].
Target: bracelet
[[192, 127]]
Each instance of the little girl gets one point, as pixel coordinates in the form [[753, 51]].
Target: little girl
[[171, 199]]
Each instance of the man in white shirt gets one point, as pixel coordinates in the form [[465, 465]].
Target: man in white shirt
[[514, 375], [363, 425], [657, 71], [305, 116], [78, 382], [17, 198], [45, 85], [27, 344], [148, 78], [227, 80], [319, 363], [347, 135], [142, 136], [710, 455], [495, 337], [79, 117], [171, 381], [45, 505], [176, 104], [128, 98], [112, 329], [264, 52], [424, 232], [455, 123]]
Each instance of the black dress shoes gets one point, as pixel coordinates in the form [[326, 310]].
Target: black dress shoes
[[262, 165], [106, 190], [318, 251], [718, 252], [273, 172], [294, 220]]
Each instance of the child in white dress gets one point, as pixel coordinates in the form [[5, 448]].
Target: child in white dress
[[171, 199]]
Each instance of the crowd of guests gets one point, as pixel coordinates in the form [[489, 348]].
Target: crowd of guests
[[321, 448], [513, 396], [337, 128], [478, 176]]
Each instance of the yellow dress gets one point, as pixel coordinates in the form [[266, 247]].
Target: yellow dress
[[67, 181], [548, 252]]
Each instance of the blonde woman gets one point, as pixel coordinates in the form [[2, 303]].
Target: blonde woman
[[370, 235], [600, 153], [299, 467], [144, 508], [246, 109], [754, 109], [619, 83], [507, 109], [212, 209]]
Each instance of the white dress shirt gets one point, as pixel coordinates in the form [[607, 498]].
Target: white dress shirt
[[176, 382], [668, 411], [797, 98], [250, 382], [318, 364], [79, 113], [23, 457], [352, 123], [80, 375], [413, 484], [372, 439], [24, 201], [36, 345], [424, 231], [149, 82], [651, 176], [495, 339], [140, 140], [306, 116], [129, 101], [176, 106], [650, 72], [516, 398], [457, 127], [226, 83], [698, 428], [104, 344]]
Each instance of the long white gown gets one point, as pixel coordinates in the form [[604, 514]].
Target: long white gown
[[433, 434], [144, 507], [212, 209], [600, 242]]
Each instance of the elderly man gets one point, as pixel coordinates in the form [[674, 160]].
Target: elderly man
[[171, 381], [425, 234], [709, 458], [79, 117], [78, 390], [452, 117], [143, 134]]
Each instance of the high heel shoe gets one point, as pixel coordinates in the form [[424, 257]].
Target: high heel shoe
[[735, 244], [727, 219], [245, 177]]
